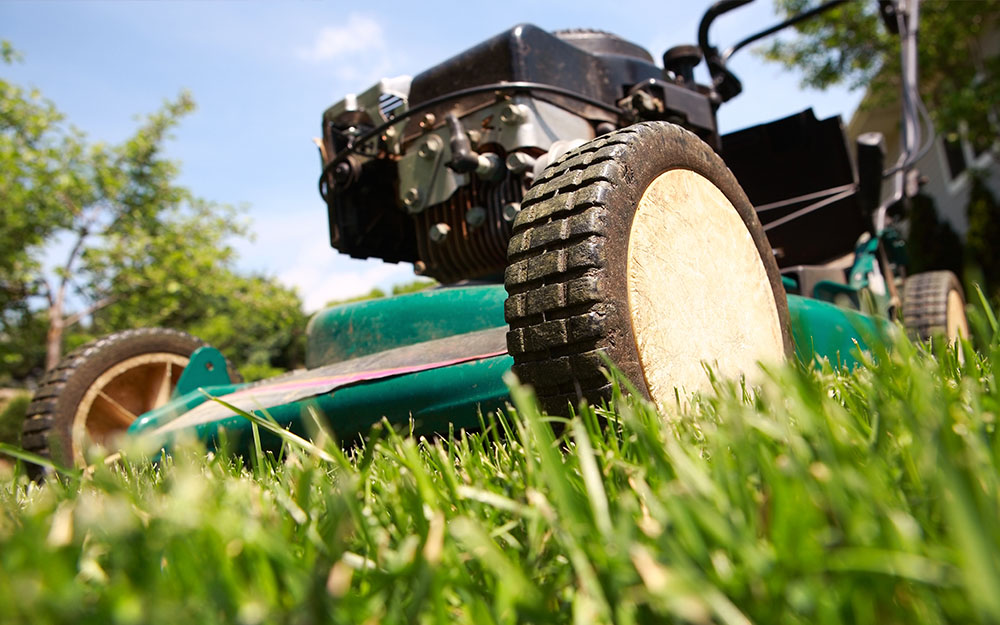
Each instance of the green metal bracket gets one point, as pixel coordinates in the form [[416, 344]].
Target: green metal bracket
[[842, 295], [206, 368]]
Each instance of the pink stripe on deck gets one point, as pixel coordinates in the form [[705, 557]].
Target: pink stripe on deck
[[341, 380]]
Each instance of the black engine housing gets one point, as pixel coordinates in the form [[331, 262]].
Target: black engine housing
[[594, 76]]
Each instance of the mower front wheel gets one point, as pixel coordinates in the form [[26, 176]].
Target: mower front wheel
[[640, 245], [96, 391]]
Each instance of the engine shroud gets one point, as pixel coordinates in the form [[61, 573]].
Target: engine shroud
[[391, 182]]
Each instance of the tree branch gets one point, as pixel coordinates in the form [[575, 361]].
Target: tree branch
[[48, 292], [67, 267], [70, 205], [89, 310]]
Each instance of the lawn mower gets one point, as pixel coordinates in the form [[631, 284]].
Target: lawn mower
[[582, 213]]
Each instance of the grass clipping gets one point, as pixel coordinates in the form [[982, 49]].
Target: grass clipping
[[823, 497]]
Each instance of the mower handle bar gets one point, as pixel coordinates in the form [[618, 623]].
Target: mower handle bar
[[717, 62]]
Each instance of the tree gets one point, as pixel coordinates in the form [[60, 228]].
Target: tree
[[139, 249], [849, 44], [258, 323], [931, 243], [984, 232]]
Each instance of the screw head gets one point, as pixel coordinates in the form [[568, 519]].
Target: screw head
[[428, 121], [520, 162], [430, 147], [475, 216], [439, 232], [513, 114], [411, 199], [510, 210]]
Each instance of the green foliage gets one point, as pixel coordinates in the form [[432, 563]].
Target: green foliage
[[256, 322], [850, 45], [12, 413], [22, 344], [7, 52], [827, 497], [931, 243], [144, 250], [847, 44], [376, 293], [39, 174], [413, 287], [984, 232]]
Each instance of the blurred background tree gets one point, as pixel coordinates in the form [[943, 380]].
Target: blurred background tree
[[959, 78], [959, 82], [135, 248]]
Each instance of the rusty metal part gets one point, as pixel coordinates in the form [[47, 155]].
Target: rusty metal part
[[468, 251]]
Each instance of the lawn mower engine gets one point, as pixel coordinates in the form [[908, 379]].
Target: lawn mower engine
[[431, 170]]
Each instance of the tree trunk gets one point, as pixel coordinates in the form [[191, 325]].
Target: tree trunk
[[53, 339], [57, 323]]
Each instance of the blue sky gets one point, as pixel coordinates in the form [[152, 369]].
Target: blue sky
[[263, 72]]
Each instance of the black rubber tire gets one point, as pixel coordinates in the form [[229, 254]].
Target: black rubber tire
[[48, 424], [565, 277], [926, 313]]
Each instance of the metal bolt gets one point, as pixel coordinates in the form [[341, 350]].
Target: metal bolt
[[411, 200], [428, 121], [439, 232], [342, 172], [514, 114], [430, 147], [475, 216], [391, 132], [510, 210], [490, 166], [520, 162]]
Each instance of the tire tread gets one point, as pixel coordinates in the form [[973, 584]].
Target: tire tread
[[43, 417], [925, 303]]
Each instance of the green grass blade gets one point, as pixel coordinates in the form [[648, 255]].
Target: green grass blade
[[274, 428], [27, 456]]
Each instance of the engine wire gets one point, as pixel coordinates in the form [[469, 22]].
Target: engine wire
[[498, 88]]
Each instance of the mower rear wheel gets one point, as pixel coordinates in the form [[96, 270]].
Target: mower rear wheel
[[96, 391], [640, 245], [934, 305]]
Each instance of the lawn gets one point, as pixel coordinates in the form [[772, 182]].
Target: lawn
[[823, 496]]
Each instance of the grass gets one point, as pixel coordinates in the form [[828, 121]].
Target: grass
[[13, 405], [826, 497]]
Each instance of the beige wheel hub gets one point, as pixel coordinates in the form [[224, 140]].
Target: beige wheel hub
[[697, 289], [122, 393], [958, 325]]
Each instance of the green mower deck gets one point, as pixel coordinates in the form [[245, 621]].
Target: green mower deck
[[407, 370]]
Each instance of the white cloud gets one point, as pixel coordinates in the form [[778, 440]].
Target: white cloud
[[326, 287], [360, 34], [322, 275], [293, 247]]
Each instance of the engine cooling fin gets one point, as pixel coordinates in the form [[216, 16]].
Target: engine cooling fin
[[468, 251]]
